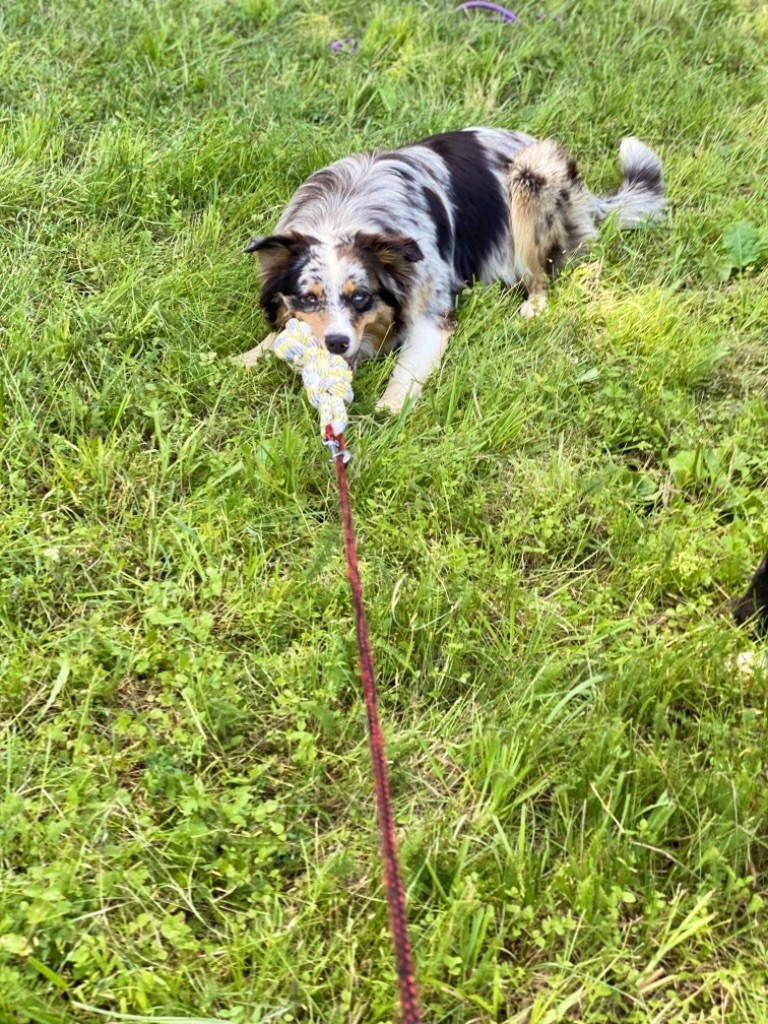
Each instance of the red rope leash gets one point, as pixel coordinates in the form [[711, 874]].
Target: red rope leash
[[393, 883]]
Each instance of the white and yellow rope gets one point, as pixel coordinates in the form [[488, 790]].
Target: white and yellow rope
[[327, 377]]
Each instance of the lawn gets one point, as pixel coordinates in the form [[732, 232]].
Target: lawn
[[548, 540]]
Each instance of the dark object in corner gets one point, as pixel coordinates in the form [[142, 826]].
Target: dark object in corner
[[752, 608]]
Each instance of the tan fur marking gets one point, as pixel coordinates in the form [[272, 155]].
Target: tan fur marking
[[375, 325], [318, 321], [283, 316]]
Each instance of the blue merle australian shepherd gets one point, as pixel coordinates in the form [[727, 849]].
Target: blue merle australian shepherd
[[373, 250]]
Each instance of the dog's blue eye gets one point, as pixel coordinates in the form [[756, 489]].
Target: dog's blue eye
[[361, 301]]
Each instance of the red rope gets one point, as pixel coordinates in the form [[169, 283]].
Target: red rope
[[393, 884]]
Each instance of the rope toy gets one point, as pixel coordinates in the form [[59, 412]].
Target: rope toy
[[327, 377]]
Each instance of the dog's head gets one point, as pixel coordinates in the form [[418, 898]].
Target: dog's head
[[350, 293]]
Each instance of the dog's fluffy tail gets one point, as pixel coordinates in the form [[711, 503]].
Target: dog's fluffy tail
[[641, 196]]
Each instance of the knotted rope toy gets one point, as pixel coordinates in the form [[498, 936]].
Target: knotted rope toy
[[327, 377], [328, 381]]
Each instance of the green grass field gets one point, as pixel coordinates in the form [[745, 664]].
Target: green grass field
[[547, 540]]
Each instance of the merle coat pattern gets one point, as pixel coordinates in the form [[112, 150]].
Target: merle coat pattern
[[373, 250]]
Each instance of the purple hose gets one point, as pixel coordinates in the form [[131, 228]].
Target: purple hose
[[348, 45], [506, 15]]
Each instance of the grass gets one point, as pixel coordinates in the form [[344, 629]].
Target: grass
[[547, 540]]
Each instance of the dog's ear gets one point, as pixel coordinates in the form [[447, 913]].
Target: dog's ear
[[275, 252], [394, 253]]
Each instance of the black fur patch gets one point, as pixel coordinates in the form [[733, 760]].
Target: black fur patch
[[402, 165], [643, 175], [437, 211], [753, 606], [391, 300], [407, 176], [554, 260], [530, 180], [567, 228], [325, 176], [571, 169], [317, 185], [263, 243], [480, 209]]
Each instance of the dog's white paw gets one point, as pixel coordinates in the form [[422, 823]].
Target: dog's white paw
[[533, 306], [253, 355], [391, 406], [395, 400], [247, 358]]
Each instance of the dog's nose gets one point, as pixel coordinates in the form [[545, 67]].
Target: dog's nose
[[337, 343]]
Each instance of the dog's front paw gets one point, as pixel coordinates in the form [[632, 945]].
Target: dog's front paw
[[252, 356], [398, 397], [533, 306], [390, 406], [248, 359]]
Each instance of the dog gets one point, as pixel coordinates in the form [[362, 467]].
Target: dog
[[373, 250], [752, 608]]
